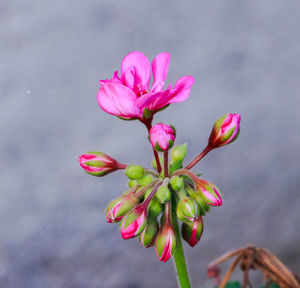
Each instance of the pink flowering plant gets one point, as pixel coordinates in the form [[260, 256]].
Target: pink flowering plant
[[157, 198]]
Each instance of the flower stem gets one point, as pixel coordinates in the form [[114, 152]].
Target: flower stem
[[199, 157], [148, 124], [166, 164], [179, 259]]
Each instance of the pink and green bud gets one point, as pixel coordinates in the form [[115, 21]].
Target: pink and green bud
[[119, 207], [195, 195], [176, 183], [163, 194], [134, 222], [98, 163], [209, 192], [134, 172], [225, 131], [178, 153], [187, 210], [192, 232], [147, 237], [162, 137], [165, 243]]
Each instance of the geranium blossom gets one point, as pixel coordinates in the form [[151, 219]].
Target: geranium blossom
[[129, 95]]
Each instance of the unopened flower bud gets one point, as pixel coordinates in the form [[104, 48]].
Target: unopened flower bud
[[195, 195], [165, 243], [210, 193], [132, 183], [119, 207], [192, 232], [163, 194], [134, 172], [147, 179], [187, 209], [225, 130], [162, 137], [134, 222], [176, 183], [154, 164], [178, 153], [147, 237], [98, 163], [154, 208]]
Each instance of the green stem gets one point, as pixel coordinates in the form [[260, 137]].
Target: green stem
[[179, 259]]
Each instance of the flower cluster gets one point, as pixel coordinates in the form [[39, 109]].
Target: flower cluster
[[156, 198]]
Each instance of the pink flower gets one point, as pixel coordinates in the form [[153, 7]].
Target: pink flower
[[162, 137], [225, 130], [134, 222], [98, 163], [130, 97], [165, 243]]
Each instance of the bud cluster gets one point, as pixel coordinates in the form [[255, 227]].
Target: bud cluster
[[156, 199]]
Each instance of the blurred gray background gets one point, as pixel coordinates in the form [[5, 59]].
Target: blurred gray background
[[245, 56]]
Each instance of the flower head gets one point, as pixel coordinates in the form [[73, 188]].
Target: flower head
[[129, 95], [225, 130], [162, 137]]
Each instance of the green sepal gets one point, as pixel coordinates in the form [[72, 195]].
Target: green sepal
[[227, 135], [147, 113], [157, 147], [127, 119]]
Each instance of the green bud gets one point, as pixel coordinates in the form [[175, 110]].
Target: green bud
[[147, 237], [134, 172], [132, 183], [176, 183], [163, 194], [147, 179], [154, 208], [178, 153], [187, 210], [161, 159]]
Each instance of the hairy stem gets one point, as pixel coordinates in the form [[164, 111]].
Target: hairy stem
[[199, 157], [166, 164], [179, 259], [148, 124]]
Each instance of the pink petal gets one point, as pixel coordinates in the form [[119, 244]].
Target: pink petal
[[160, 68], [119, 100], [142, 68], [181, 89], [155, 100]]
